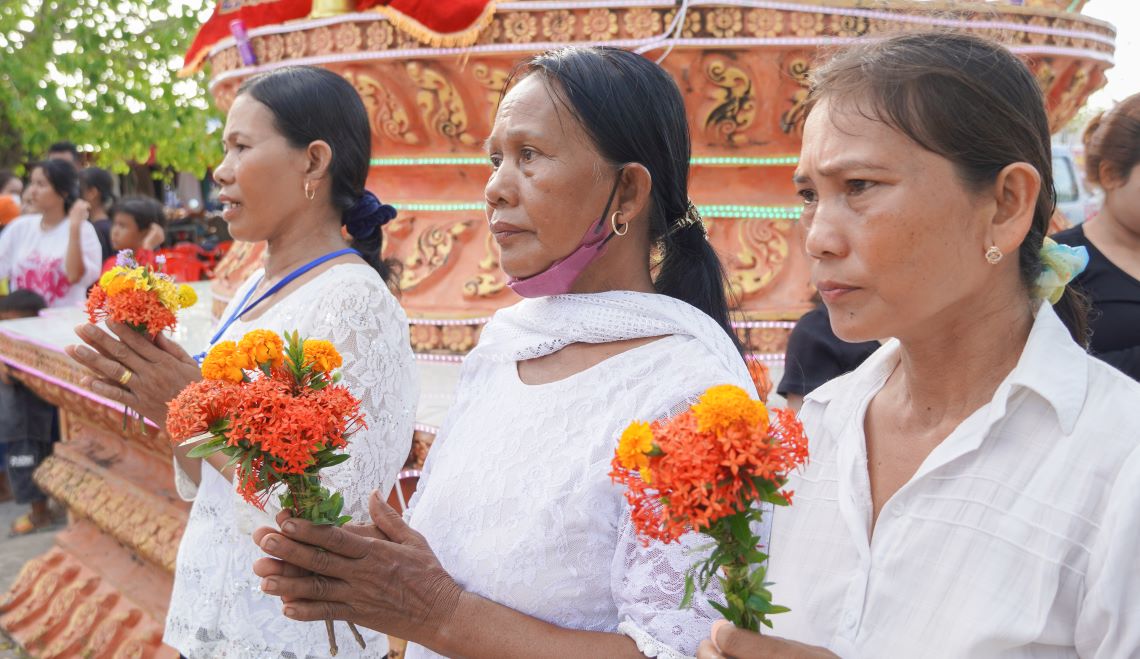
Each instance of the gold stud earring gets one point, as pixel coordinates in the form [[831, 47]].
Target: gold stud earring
[[614, 224], [993, 255], [310, 193]]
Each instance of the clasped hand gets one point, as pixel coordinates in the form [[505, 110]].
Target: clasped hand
[[382, 575]]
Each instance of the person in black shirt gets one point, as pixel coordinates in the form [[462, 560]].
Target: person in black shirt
[[1112, 279], [96, 188], [815, 355]]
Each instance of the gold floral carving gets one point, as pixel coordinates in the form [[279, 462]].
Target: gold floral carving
[[762, 252], [736, 106], [799, 70], [107, 634], [1045, 75], [488, 281], [849, 26], [433, 250], [806, 24], [385, 111], [520, 27], [599, 25], [378, 35], [493, 80], [764, 23], [724, 22], [78, 629], [440, 104], [642, 23], [558, 25], [320, 41], [295, 44], [347, 37], [132, 519]]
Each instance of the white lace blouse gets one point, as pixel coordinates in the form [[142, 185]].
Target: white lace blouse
[[217, 608], [516, 502]]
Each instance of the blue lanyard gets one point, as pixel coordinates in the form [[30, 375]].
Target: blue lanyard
[[243, 308]]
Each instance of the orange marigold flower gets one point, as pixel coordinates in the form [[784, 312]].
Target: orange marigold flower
[[225, 362], [321, 355], [261, 347], [725, 405], [634, 447]]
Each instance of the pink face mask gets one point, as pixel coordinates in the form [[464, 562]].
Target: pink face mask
[[559, 278]]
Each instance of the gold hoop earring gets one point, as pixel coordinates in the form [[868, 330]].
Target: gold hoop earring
[[614, 224], [310, 194], [993, 255]]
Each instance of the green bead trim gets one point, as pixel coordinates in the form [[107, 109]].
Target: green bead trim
[[710, 211]]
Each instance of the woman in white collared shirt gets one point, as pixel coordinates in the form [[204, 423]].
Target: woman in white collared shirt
[[974, 487]]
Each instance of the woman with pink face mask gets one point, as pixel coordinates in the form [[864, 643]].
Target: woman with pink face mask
[[516, 525]]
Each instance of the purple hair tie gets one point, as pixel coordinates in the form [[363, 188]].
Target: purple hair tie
[[366, 217]]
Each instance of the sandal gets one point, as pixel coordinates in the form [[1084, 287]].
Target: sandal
[[25, 526]]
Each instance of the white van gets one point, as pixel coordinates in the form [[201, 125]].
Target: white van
[[1076, 201]]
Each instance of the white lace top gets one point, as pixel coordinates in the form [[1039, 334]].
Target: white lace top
[[515, 499], [217, 608]]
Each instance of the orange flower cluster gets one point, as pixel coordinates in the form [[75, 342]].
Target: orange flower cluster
[[277, 414], [138, 296], [139, 309], [711, 461]]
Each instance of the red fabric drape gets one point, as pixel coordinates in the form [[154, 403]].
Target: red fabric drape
[[447, 23]]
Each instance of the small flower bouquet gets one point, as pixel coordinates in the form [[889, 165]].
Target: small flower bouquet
[[706, 470], [274, 407], [138, 296]]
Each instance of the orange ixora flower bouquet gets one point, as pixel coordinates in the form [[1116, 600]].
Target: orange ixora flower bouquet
[[138, 296], [274, 407], [706, 470]]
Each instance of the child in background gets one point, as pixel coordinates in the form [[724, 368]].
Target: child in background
[[137, 225], [30, 427]]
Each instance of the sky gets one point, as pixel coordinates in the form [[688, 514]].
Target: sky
[[1124, 78]]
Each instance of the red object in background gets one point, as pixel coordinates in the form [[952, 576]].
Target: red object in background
[[252, 14], [450, 23], [183, 266]]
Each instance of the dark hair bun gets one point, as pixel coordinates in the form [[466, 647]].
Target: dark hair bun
[[367, 215]]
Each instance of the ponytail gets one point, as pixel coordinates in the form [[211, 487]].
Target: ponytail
[[691, 271]]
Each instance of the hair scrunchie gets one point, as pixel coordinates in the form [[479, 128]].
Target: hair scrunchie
[[1062, 263], [367, 215]]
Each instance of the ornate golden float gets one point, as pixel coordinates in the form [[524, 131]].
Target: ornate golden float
[[742, 66]]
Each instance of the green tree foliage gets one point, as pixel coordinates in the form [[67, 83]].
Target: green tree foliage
[[103, 74]]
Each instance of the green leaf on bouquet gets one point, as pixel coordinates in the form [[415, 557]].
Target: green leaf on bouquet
[[690, 588], [207, 448], [343, 519], [332, 460]]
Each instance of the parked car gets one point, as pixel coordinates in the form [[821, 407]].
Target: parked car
[[1075, 199]]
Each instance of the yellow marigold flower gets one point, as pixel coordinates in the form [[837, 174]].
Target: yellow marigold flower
[[186, 296], [634, 447], [167, 293], [321, 355], [110, 275], [726, 405], [263, 346], [224, 362], [118, 279]]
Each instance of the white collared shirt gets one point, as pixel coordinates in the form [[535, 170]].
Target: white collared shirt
[[1018, 536]]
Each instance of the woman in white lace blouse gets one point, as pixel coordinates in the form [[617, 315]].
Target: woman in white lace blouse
[[517, 543], [293, 176], [974, 486]]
